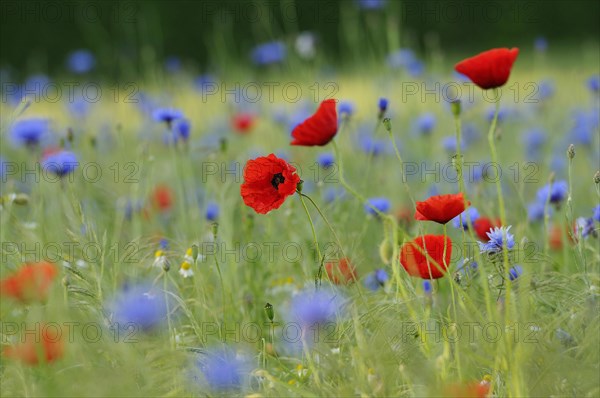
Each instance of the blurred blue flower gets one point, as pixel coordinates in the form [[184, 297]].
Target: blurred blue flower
[[164, 244], [60, 163], [326, 159], [470, 133], [540, 44], [182, 128], [556, 192], [546, 89], [382, 204], [383, 105], [371, 4], [79, 107], [472, 213], [425, 123], [515, 272], [596, 215], [376, 279], [81, 61], [535, 211], [372, 145], [503, 113], [202, 82], [172, 64], [585, 227], [467, 267], [212, 211], [533, 140], [346, 107], [449, 144], [310, 307], [3, 165], [332, 194], [415, 68], [400, 58], [141, 305], [223, 369], [29, 132], [495, 244], [427, 287], [166, 115], [593, 83], [268, 53]]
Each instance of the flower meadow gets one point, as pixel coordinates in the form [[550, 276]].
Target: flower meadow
[[412, 229]]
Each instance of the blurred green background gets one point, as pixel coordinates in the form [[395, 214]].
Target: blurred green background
[[36, 36]]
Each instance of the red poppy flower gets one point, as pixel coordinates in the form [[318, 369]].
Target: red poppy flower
[[483, 225], [441, 208], [30, 283], [163, 197], [34, 349], [341, 272], [243, 122], [489, 69], [556, 237], [433, 266], [471, 390], [318, 129], [268, 180]]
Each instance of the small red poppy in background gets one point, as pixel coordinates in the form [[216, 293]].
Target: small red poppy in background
[[483, 225], [441, 208], [162, 197], [268, 180], [30, 283], [341, 272], [555, 237], [404, 216], [489, 69], [318, 129], [417, 263], [243, 122], [471, 390], [35, 349]]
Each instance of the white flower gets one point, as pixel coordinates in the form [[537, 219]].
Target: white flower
[[186, 270], [160, 260]]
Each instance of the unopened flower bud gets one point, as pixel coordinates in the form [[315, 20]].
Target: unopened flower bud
[[387, 124], [597, 177], [195, 252], [20, 199], [386, 251], [456, 107], [269, 311], [571, 151]]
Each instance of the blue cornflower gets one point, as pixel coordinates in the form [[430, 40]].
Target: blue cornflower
[[172, 64], [415, 68], [268, 53], [535, 211], [81, 61], [371, 4], [326, 159], [556, 192], [2, 168], [596, 215], [471, 212], [223, 369], [593, 83], [585, 226], [400, 58], [346, 108], [331, 194], [141, 305], [503, 113], [534, 140], [60, 163], [467, 267], [546, 89], [29, 132], [383, 105], [212, 211], [425, 123], [470, 133], [376, 279], [449, 144], [311, 307], [202, 82], [494, 245], [372, 145], [164, 244], [182, 128], [382, 204], [515, 272], [79, 107], [166, 115], [427, 287], [540, 44]]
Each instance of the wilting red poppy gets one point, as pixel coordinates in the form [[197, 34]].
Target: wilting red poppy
[[471, 390], [318, 129], [243, 122], [417, 263], [35, 349], [268, 180], [489, 69], [441, 208], [483, 225], [30, 283], [163, 197], [341, 272]]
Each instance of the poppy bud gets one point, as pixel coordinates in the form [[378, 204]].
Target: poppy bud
[[215, 229], [571, 151], [269, 311], [385, 251], [387, 124], [223, 144], [195, 252], [166, 266], [20, 199], [299, 186], [597, 177], [456, 107]]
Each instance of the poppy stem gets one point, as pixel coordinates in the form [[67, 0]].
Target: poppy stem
[[326, 222], [316, 241]]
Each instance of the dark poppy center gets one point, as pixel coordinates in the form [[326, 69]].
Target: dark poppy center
[[277, 179]]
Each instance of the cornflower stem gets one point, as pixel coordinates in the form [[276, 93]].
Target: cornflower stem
[[316, 242], [457, 351], [399, 157]]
